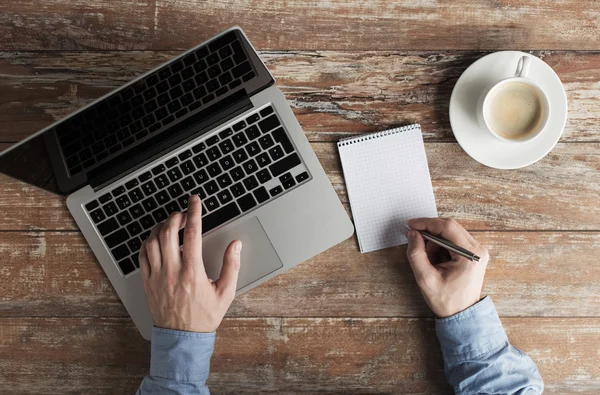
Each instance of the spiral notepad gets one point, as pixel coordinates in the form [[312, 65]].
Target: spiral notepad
[[388, 182]]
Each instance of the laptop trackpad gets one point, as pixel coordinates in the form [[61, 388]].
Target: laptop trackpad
[[258, 255]]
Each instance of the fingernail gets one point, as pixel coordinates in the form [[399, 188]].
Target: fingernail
[[237, 247], [193, 197]]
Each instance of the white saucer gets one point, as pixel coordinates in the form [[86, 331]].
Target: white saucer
[[478, 142]]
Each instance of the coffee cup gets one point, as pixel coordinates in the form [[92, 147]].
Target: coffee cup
[[516, 109]]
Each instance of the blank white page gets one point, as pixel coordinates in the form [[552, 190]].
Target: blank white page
[[388, 183]]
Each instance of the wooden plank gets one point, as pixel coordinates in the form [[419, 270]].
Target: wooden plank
[[349, 25], [257, 355], [333, 94], [530, 274], [559, 192]]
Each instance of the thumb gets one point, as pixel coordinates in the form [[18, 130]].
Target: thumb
[[227, 282], [417, 256]]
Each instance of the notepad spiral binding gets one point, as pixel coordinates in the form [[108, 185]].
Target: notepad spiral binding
[[361, 138]]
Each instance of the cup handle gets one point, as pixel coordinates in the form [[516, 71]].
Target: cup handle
[[523, 67]]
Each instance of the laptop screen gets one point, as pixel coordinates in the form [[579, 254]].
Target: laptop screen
[[139, 121]]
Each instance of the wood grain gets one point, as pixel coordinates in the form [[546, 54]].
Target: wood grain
[[530, 274], [559, 192], [293, 355], [333, 94], [349, 25]]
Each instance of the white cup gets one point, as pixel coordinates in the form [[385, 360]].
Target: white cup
[[485, 104]]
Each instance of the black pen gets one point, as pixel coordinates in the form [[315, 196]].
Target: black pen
[[450, 246]]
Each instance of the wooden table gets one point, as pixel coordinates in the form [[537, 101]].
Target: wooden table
[[342, 322]]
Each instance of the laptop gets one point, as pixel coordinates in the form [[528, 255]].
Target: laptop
[[209, 122]]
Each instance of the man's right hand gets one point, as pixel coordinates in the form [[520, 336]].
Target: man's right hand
[[449, 282]]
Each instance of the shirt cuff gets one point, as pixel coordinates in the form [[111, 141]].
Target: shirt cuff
[[181, 356], [472, 333]]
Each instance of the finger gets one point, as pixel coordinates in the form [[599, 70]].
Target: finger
[[144, 264], [447, 228], [192, 235], [153, 250], [417, 257], [433, 252], [169, 241], [227, 282]]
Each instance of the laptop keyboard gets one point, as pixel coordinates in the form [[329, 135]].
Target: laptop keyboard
[[153, 103], [233, 171]]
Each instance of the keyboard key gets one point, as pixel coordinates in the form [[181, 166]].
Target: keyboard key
[[183, 201], [108, 226], [145, 234], [188, 183], [252, 118], [134, 244], [120, 252], [200, 160], [147, 222], [145, 176], [240, 155], [224, 180], [276, 191], [263, 176], [246, 202], [214, 169], [185, 155], [198, 147], [149, 204], [116, 238], [126, 266], [161, 181], [172, 162], [253, 148], [118, 191], [211, 187], [135, 258], [97, 216], [237, 189], [250, 166], [252, 132], [285, 177], [282, 138], [284, 164], [250, 183], [239, 126], [225, 133], [160, 215], [92, 205], [201, 176], [220, 216], [226, 146], [187, 167], [301, 177], [212, 140], [137, 211], [268, 124], [237, 173], [266, 111], [276, 153], [110, 208], [105, 198], [213, 153], [200, 192], [224, 196], [158, 169], [172, 207], [124, 218], [239, 139], [227, 162], [211, 203], [162, 198], [175, 190], [149, 188], [134, 228], [174, 174], [123, 202], [240, 70], [263, 159], [261, 195], [289, 183]]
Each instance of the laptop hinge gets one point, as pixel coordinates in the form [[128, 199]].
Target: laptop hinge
[[170, 139]]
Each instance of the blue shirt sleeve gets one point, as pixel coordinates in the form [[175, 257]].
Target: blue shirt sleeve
[[180, 363], [478, 357]]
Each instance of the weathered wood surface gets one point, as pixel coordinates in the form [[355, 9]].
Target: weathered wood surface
[[530, 274], [559, 192], [290, 355], [349, 25], [334, 94]]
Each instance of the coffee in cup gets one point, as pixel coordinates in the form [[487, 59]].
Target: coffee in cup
[[515, 109]]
